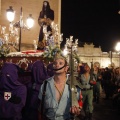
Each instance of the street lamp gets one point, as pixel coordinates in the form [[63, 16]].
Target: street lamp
[[118, 49], [20, 24]]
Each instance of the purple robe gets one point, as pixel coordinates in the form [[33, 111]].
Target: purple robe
[[9, 83], [39, 74], [50, 69]]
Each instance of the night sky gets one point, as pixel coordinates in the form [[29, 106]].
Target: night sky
[[95, 21]]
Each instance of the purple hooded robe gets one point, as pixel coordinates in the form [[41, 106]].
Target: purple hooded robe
[[39, 74], [9, 83], [50, 69]]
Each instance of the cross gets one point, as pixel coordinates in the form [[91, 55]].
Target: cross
[[7, 96]]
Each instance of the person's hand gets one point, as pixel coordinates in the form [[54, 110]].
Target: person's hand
[[48, 21], [75, 110], [41, 21]]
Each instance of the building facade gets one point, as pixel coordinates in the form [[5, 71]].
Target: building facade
[[89, 53]]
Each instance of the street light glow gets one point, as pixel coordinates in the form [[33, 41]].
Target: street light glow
[[20, 24], [118, 47], [10, 14], [30, 21], [118, 50]]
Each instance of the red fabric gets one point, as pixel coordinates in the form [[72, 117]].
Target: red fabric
[[32, 51], [94, 82], [80, 102]]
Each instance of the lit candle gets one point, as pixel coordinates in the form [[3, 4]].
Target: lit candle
[[11, 27], [6, 38], [16, 31], [71, 38], [3, 30], [46, 36], [76, 41], [61, 37], [52, 24]]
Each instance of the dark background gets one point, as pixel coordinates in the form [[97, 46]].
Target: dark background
[[95, 21]]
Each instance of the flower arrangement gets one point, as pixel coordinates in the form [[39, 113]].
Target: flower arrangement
[[4, 50], [76, 57], [52, 42], [50, 52]]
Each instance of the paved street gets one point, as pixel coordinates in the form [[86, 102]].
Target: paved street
[[104, 110]]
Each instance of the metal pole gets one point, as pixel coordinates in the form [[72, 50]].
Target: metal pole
[[19, 40], [21, 23]]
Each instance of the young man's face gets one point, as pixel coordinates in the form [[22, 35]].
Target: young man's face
[[59, 63], [95, 68], [87, 68]]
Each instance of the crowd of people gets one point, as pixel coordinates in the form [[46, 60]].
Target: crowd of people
[[106, 80], [47, 94]]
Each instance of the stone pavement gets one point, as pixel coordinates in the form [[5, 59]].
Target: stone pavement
[[104, 110]]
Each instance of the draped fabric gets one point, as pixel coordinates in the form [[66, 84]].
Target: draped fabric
[[39, 74], [9, 83], [50, 69]]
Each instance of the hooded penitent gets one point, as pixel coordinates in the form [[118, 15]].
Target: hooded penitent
[[12, 107], [50, 70], [39, 74]]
